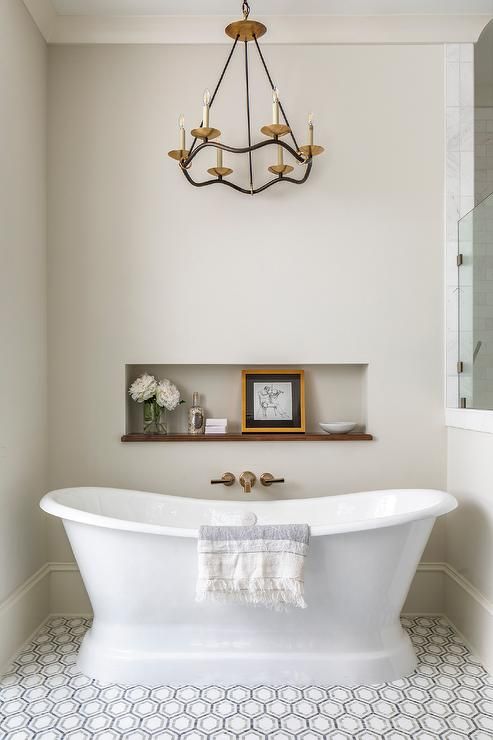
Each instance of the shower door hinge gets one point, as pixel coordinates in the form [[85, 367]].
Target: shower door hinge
[[463, 403], [460, 259], [460, 367]]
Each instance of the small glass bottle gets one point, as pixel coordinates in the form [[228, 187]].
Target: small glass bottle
[[196, 421]]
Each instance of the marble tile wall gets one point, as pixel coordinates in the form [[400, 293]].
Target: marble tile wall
[[483, 148], [459, 199], [483, 260]]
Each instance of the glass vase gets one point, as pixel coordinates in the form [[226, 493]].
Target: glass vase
[[155, 421]]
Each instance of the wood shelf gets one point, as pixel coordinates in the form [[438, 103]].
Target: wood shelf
[[247, 437]]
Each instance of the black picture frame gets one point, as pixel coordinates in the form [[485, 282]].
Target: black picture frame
[[267, 409]]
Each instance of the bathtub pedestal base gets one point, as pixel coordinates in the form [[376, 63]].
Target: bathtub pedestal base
[[134, 666]]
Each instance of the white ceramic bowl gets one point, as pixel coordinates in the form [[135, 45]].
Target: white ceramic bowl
[[338, 427]]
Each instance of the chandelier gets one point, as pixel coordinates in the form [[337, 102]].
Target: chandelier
[[245, 31]]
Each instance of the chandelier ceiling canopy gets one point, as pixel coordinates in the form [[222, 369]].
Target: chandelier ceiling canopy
[[245, 31]]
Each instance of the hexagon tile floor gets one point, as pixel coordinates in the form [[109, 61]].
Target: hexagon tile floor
[[450, 696]]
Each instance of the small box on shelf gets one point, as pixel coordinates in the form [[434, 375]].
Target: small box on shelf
[[216, 426]]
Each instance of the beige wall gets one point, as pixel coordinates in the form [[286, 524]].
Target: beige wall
[[483, 161], [23, 337], [483, 68], [356, 253]]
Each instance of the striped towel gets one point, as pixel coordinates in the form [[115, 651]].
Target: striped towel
[[261, 565]]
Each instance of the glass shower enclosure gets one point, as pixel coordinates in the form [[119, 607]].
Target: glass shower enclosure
[[475, 305]]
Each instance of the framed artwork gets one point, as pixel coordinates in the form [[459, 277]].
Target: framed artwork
[[273, 401]]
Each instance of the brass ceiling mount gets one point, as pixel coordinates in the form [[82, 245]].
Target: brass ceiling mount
[[246, 31]]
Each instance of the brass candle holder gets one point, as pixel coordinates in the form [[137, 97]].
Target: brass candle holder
[[205, 132], [275, 129], [280, 169], [178, 154], [311, 150], [219, 171]]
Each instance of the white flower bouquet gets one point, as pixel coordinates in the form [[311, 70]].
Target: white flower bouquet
[[158, 397]]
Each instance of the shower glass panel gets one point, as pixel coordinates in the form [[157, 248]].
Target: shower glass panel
[[476, 307]]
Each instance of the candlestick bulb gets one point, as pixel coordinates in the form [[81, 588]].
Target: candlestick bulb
[[310, 129], [205, 109], [280, 158], [275, 106]]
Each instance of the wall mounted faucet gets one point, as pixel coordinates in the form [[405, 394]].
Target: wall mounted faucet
[[267, 479], [227, 479], [248, 480]]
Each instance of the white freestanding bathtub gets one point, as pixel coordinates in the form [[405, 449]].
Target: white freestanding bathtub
[[137, 556]]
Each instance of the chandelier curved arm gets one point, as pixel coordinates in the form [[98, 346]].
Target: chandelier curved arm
[[185, 163], [221, 181]]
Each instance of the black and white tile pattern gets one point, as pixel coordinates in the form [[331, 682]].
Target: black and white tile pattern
[[450, 696]]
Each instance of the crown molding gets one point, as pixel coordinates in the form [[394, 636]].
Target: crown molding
[[44, 16], [377, 29]]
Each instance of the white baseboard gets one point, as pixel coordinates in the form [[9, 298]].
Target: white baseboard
[[471, 614], [68, 595], [22, 613], [437, 588], [464, 606], [426, 595], [427, 592], [67, 592], [56, 588]]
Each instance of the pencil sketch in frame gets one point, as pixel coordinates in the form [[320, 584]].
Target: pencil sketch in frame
[[272, 401]]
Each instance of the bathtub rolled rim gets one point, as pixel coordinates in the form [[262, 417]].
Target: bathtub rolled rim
[[51, 505]]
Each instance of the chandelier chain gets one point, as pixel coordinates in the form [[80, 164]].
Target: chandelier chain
[[218, 85], [250, 163], [245, 9], [274, 87]]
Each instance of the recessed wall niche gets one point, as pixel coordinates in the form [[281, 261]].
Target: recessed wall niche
[[332, 393]]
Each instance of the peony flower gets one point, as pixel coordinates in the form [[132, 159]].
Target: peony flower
[[143, 388], [167, 395]]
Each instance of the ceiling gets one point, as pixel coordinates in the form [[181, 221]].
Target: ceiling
[[288, 21], [269, 7]]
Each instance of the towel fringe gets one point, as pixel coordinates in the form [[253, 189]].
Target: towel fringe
[[274, 593]]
